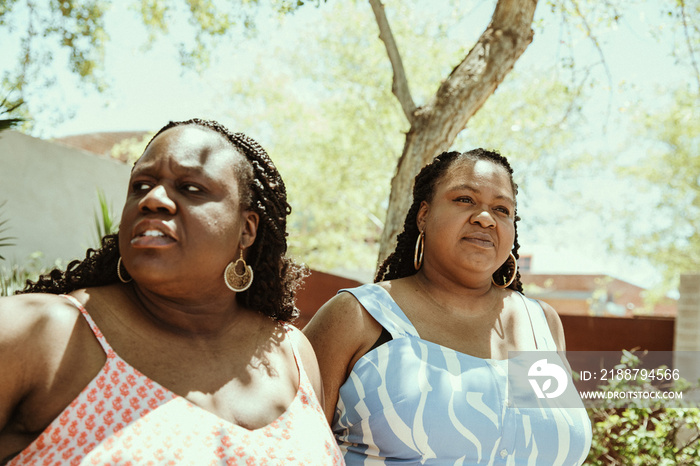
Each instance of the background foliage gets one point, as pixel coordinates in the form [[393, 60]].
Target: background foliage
[[646, 435], [312, 82]]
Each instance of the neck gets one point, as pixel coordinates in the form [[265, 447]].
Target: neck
[[201, 316], [468, 283], [480, 297]]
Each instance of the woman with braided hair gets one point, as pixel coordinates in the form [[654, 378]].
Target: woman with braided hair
[[171, 343], [415, 365]]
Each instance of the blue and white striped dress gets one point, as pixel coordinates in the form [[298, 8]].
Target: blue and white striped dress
[[411, 401]]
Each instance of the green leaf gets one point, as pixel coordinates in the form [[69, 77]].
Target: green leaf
[[5, 241], [104, 219]]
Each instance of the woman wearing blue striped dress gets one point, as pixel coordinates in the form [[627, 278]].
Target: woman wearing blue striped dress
[[415, 366]]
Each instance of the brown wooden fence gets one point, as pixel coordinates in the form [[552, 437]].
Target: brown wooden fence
[[589, 333]]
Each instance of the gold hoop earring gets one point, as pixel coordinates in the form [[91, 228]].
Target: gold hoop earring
[[506, 284], [238, 282], [119, 271], [418, 254]]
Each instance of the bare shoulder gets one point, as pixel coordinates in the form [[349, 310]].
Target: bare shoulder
[[33, 327], [28, 325], [341, 332], [343, 324], [34, 330], [555, 326], [302, 344], [338, 330], [32, 316], [339, 311], [308, 360]]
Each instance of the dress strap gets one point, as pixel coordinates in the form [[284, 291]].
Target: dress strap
[[304, 380], [289, 329], [100, 338], [380, 305], [540, 327]]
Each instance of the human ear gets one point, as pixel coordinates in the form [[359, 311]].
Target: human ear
[[250, 220], [421, 215]]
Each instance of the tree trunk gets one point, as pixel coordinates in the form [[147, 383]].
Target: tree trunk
[[436, 124]]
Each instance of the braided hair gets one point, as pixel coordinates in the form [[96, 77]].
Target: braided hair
[[277, 277], [399, 264]]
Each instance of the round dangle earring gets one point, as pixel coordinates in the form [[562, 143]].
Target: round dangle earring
[[236, 281]]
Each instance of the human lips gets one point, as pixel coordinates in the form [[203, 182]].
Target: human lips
[[150, 233], [479, 239]]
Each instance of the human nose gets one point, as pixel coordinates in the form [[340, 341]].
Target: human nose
[[157, 200], [484, 218]]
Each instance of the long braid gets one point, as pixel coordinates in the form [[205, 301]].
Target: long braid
[[97, 269], [399, 264], [277, 277]]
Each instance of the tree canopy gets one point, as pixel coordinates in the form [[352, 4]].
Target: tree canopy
[[322, 99]]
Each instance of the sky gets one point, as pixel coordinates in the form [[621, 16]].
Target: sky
[[149, 87]]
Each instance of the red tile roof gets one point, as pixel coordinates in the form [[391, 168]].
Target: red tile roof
[[594, 294], [100, 143]]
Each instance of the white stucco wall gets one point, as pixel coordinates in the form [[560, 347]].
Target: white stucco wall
[[51, 197]]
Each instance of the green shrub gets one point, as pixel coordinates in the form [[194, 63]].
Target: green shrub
[[648, 435], [15, 277]]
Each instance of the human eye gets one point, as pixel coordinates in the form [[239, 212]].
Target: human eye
[[191, 188], [464, 199], [140, 186], [503, 210]]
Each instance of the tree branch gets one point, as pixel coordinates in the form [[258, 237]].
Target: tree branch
[[486, 65], [693, 63], [437, 123], [399, 85], [599, 49]]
